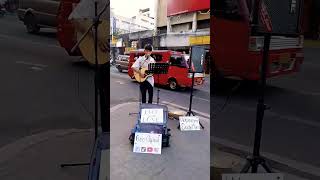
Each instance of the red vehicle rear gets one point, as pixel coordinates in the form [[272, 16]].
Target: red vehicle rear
[[66, 32], [236, 42], [178, 73]]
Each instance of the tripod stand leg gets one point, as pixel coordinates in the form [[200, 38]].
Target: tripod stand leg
[[246, 167], [201, 125], [265, 166], [158, 92], [254, 168]]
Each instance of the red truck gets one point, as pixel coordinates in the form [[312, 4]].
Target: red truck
[[236, 44], [178, 74]]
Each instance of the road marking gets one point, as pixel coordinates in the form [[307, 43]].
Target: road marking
[[120, 82], [36, 68], [29, 41], [32, 64]]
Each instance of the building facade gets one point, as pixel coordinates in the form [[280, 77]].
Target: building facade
[[182, 23], [122, 25]]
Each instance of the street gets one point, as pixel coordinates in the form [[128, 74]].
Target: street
[[123, 89], [39, 84], [43, 89], [290, 128]]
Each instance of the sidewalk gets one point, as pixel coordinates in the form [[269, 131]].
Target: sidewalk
[[187, 158], [38, 157], [229, 163]]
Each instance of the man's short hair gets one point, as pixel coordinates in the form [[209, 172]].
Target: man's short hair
[[148, 47]]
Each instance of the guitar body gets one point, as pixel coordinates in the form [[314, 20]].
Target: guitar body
[[87, 44], [142, 79]]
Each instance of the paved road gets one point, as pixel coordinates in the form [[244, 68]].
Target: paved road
[[291, 127], [39, 84], [124, 89]]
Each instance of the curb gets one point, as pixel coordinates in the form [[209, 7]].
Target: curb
[[311, 43], [204, 115], [287, 165], [11, 150]]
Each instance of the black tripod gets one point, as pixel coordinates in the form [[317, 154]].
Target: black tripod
[[190, 112], [255, 160], [100, 82], [158, 68]]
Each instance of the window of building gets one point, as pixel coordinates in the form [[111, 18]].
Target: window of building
[[203, 24]]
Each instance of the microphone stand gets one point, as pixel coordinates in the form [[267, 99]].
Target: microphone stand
[[95, 24]]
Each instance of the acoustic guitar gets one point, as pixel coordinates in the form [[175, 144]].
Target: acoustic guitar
[[87, 44], [140, 78]]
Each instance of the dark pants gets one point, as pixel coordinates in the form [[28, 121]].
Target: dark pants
[[144, 87]]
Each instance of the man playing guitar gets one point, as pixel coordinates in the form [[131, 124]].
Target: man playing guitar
[[147, 85]]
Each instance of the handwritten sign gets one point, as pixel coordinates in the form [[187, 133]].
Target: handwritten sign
[[147, 143], [189, 123], [260, 176], [154, 116]]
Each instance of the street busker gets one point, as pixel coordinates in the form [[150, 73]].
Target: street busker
[[147, 85]]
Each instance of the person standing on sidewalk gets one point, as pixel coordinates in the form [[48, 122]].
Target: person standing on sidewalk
[[147, 85]]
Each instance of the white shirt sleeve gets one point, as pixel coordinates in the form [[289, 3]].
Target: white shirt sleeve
[[137, 63]]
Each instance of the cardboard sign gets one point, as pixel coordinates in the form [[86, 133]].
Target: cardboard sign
[[189, 123], [147, 143], [255, 176], [154, 116]]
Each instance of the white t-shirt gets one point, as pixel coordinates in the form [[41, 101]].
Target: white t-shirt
[[142, 62]]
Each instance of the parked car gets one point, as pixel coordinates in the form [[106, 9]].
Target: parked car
[[122, 62], [36, 14]]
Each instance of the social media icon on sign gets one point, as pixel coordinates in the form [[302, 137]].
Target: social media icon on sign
[[137, 149], [149, 149], [143, 149]]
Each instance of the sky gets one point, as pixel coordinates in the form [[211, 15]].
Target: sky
[[129, 8]]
